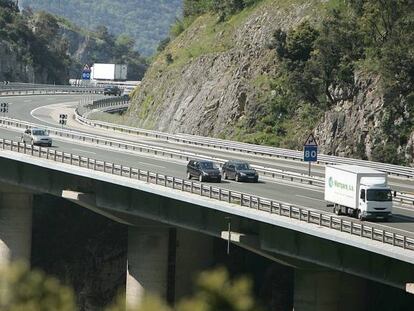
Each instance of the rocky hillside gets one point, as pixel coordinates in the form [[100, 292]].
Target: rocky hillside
[[232, 79]]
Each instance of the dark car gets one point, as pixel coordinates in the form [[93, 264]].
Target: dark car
[[112, 90], [239, 170], [203, 170]]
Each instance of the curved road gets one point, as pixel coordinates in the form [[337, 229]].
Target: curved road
[[45, 110]]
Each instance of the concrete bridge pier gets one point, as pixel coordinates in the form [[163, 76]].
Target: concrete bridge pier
[[15, 225], [147, 265], [328, 291], [164, 261]]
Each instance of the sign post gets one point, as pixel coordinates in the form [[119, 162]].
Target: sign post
[[310, 151]]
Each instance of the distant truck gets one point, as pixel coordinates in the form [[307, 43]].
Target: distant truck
[[358, 191], [109, 72]]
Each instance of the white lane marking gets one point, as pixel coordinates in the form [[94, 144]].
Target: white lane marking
[[310, 198], [27, 101], [146, 163], [84, 151]]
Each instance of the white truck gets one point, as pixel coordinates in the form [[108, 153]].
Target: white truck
[[109, 72], [358, 191]]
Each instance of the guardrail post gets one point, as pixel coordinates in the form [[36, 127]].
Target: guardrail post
[[219, 194], [362, 230], [280, 209], [148, 177], [211, 192], [404, 242], [271, 207], [341, 223], [94, 165], [229, 196], [121, 170], [173, 185], [393, 238], [300, 213], [201, 189], [308, 216], [112, 168], [71, 159], [290, 211], [250, 202], [241, 199], [258, 203], [383, 236], [372, 233]]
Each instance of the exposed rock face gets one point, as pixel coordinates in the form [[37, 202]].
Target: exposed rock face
[[12, 67], [351, 126], [210, 93]]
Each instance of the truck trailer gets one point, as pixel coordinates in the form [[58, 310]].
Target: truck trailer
[[109, 72], [358, 191]]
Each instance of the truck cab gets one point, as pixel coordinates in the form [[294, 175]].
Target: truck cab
[[375, 201]]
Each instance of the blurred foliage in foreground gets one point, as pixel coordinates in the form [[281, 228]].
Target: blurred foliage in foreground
[[23, 289]]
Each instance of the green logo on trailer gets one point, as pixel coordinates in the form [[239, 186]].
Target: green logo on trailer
[[331, 182]]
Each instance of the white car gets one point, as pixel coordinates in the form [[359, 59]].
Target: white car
[[37, 136]]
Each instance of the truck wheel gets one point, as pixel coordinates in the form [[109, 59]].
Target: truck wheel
[[359, 215], [337, 210]]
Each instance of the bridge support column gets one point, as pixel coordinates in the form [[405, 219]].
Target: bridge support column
[[15, 225], [147, 268], [328, 291], [195, 253]]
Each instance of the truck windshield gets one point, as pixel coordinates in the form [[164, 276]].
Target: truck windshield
[[379, 195]]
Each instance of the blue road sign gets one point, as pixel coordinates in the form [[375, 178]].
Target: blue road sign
[[310, 154], [86, 75]]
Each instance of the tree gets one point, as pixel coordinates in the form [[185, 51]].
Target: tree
[[27, 290], [216, 292]]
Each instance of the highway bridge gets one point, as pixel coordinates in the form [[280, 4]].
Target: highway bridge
[[137, 177]]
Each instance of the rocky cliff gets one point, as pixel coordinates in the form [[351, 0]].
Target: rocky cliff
[[210, 81], [13, 67]]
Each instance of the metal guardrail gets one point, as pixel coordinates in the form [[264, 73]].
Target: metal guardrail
[[165, 152], [106, 105], [282, 209], [250, 148], [50, 90]]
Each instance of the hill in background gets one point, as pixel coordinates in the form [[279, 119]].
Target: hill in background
[[146, 21]]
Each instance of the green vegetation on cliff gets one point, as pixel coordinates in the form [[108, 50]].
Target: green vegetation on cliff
[[270, 72]]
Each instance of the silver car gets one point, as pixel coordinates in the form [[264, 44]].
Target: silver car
[[36, 136]]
